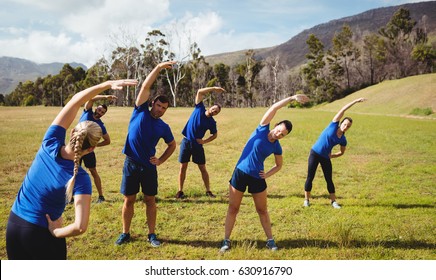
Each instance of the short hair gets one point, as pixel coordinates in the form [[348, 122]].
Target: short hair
[[161, 98], [347, 118], [104, 106], [287, 124]]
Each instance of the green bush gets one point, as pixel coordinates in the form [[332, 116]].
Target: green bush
[[422, 111]]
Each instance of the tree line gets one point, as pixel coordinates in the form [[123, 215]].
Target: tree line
[[355, 61]]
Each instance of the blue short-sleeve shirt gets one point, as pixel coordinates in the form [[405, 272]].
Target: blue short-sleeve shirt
[[143, 134], [256, 150], [328, 139], [43, 189]]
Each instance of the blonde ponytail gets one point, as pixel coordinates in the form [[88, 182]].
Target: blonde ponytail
[[86, 134]]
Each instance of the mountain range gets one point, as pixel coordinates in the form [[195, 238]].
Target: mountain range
[[14, 70], [291, 53]]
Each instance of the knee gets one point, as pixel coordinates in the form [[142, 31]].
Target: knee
[[149, 200], [129, 201], [262, 211], [233, 209]]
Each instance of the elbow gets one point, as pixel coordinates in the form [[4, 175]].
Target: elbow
[[81, 229]]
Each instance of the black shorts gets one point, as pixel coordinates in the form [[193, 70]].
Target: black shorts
[[27, 241], [188, 149], [136, 175], [89, 160], [240, 180]]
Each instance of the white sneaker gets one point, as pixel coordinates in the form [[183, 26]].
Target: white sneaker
[[336, 205], [225, 245], [306, 203]]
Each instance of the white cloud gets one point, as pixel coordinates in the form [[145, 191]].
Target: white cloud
[[100, 21], [43, 47], [83, 30]]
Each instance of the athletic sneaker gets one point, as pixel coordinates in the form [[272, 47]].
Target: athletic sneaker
[[152, 238], [225, 245], [100, 199], [124, 238], [271, 244], [336, 205], [180, 195], [306, 203], [210, 194]]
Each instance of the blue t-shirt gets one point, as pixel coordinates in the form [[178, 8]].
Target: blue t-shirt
[[256, 150], [143, 135], [88, 115], [198, 124], [328, 139], [43, 189]]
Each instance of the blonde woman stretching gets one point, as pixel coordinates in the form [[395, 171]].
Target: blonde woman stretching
[[35, 229]]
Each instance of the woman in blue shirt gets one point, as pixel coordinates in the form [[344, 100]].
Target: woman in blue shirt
[[321, 153], [35, 230], [249, 171]]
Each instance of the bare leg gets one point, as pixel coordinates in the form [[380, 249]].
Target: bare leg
[[128, 211], [151, 212], [204, 176], [97, 180], [182, 175], [260, 201], [235, 198]]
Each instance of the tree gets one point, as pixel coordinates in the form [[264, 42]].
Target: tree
[[221, 72], [342, 54], [252, 68], [319, 88], [374, 52], [399, 46]]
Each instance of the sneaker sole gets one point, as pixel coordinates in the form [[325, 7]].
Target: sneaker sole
[[154, 245]]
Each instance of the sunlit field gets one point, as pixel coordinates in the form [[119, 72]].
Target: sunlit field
[[386, 183]]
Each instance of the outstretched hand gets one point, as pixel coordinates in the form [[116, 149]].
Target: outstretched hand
[[218, 89], [361, 99], [301, 98], [167, 64], [119, 84]]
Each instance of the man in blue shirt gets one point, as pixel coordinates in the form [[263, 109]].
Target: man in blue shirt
[[146, 128], [90, 159], [199, 122], [321, 153]]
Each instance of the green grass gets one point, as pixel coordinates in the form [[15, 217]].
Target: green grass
[[394, 97], [385, 182]]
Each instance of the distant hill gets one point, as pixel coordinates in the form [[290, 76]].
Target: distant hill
[[14, 70], [292, 52], [394, 97]]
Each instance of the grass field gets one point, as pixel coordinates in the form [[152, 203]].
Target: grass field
[[386, 182]]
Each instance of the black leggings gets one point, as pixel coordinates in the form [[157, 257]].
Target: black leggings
[[326, 165], [27, 241]]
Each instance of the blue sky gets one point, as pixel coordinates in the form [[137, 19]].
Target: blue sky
[[83, 31]]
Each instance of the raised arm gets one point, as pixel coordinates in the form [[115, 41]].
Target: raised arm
[[269, 115], [144, 93], [341, 112], [90, 103], [67, 115], [203, 91]]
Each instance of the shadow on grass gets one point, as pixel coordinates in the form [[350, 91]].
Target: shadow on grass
[[313, 243], [407, 206], [397, 206]]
